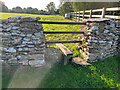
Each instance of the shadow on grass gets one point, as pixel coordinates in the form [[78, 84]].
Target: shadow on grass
[[27, 76], [7, 74], [102, 74]]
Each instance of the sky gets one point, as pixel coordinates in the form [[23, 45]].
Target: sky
[[40, 4]]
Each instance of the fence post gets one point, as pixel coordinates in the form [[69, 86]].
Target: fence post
[[103, 13], [90, 13], [83, 14], [76, 16], [70, 15], [79, 17]]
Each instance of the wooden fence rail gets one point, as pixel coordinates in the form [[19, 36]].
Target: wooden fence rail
[[63, 32], [64, 23], [48, 42], [82, 14]]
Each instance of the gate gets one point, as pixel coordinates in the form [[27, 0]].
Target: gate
[[68, 54], [62, 32]]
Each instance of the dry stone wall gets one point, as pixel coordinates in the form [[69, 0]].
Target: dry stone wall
[[101, 39], [22, 41]]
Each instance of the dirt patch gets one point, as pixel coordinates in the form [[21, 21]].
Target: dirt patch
[[52, 56]]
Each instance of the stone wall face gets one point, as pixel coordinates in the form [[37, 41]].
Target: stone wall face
[[101, 40], [22, 41]]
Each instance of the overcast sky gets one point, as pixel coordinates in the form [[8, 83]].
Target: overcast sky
[[40, 4]]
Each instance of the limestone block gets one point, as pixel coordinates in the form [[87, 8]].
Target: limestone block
[[13, 61], [1, 25], [11, 50], [37, 63], [15, 28], [36, 56], [1, 61]]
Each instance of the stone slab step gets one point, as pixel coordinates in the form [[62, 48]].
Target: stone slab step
[[80, 61]]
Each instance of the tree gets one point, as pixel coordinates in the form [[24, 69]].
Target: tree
[[3, 7], [57, 11], [51, 8], [78, 6], [18, 9], [29, 10], [43, 12], [66, 8], [35, 10], [24, 10]]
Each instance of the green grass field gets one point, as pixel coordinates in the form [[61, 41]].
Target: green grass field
[[98, 75], [54, 27], [102, 74]]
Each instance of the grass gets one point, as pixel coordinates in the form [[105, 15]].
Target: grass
[[7, 74], [102, 74]]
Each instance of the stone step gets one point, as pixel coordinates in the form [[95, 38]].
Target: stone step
[[80, 61]]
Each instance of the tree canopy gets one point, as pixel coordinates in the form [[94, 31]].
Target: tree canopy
[[51, 8], [3, 7], [66, 7]]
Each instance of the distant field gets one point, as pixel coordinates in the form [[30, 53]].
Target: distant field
[[102, 74], [44, 17]]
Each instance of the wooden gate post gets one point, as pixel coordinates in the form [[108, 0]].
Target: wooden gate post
[[79, 17], [72, 15], [103, 13], [90, 13], [76, 16], [83, 14]]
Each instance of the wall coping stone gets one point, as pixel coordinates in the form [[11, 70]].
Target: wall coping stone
[[96, 20], [18, 19]]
